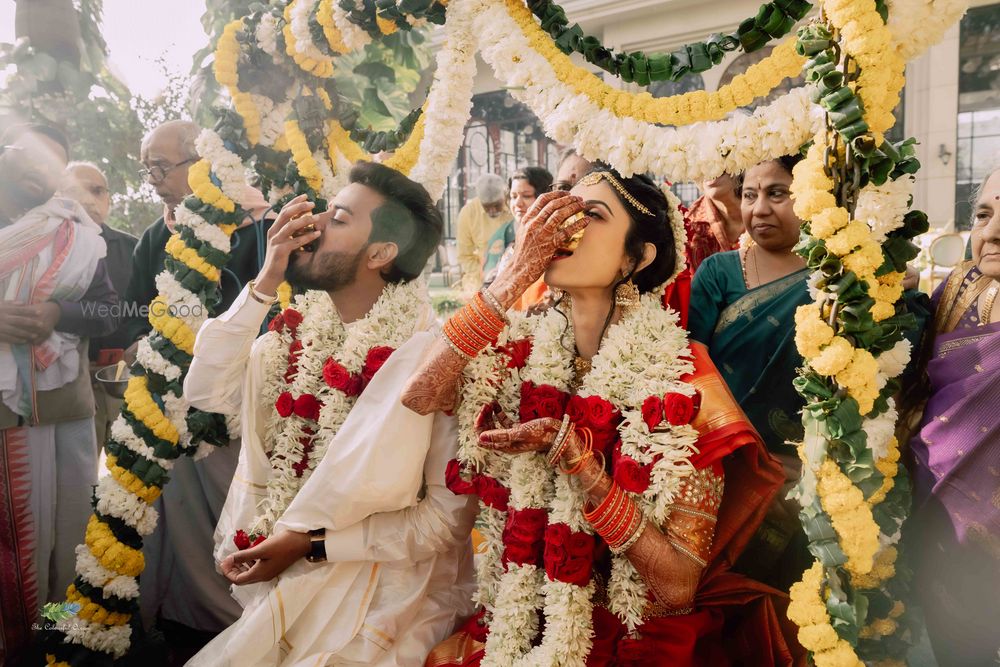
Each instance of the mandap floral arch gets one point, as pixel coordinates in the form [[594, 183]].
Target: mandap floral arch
[[286, 122]]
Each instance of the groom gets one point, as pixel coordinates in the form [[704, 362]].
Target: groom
[[342, 540]]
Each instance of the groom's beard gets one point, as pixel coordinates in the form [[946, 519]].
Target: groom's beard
[[327, 271]]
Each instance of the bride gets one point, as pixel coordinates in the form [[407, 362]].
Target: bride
[[617, 477]]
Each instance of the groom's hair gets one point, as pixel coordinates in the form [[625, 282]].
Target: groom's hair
[[408, 218]]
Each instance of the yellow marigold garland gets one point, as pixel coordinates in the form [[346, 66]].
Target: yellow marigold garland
[[321, 68], [141, 404], [888, 466], [51, 661], [112, 554], [284, 295], [226, 69], [338, 138], [807, 609], [304, 160], [177, 249], [92, 611], [406, 156], [866, 37], [130, 482], [851, 517], [204, 189], [171, 327], [324, 16], [696, 106]]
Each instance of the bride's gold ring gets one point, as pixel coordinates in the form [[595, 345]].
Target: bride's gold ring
[[571, 220]]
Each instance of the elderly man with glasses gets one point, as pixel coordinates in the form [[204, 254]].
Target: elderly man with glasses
[[181, 590]]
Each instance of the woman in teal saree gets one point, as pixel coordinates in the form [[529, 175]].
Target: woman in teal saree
[[743, 308]]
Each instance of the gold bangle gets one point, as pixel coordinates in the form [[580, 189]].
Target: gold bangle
[[494, 303], [260, 297], [600, 475]]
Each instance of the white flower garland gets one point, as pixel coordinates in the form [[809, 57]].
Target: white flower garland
[[226, 165], [354, 37], [113, 500], [917, 25], [95, 574], [882, 207], [449, 101], [391, 321], [642, 355], [693, 153], [112, 639], [267, 39], [304, 44], [210, 234]]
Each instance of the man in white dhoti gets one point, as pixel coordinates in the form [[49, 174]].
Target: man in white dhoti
[[344, 543]]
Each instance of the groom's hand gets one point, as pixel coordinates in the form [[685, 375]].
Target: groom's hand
[[286, 235], [266, 560]]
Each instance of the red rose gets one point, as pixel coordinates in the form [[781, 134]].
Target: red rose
[[602, 414], [260, 538], [491, 492], [294, 352], [338, 377], [377, 356], [455, 482], [518, 351], [678, 408], [576, 408], [285, 404], [568, 556], [630, 475], [652, 411], [541, 401], [241, 540], [524, 536], [307, 407], [277, 323], [293, 319]]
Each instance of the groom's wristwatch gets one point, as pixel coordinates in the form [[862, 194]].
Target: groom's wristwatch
[[317, 546]]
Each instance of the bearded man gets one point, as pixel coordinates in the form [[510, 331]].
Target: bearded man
[[344, 543]]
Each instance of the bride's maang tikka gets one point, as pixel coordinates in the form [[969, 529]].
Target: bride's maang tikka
[[595, 177]]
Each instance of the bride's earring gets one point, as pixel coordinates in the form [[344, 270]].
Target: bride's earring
[[627, 295]]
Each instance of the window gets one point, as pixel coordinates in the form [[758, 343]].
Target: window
[[978, 106]]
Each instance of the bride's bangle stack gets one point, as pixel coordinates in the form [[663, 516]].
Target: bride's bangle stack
[[477, 325], [617, 520]]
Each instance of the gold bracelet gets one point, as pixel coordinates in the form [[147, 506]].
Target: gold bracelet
[[260, 297]]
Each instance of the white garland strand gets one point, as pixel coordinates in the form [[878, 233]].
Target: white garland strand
[[449, 102]]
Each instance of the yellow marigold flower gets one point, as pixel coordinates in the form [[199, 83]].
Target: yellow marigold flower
[[818, 637], [865, 260], [808, 204], [851, 517], [840, 656], [834, 357], [811, 332], [828, 221], [385, 26], [883, 310], [848, 238]]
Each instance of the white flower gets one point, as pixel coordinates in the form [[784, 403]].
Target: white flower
[[226, 165], [267, 36], [893, 362], [882, 207]]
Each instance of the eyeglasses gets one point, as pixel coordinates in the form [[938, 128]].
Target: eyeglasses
[[156, 173], [561, 186]]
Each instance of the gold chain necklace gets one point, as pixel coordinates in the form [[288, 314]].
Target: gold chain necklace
[[987, 311], [744, 258]]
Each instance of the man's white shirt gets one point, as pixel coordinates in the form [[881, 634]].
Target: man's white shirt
[[399, 562]]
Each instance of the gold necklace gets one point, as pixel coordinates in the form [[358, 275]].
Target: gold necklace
[[581, 367], [987, 310], [744, 258]]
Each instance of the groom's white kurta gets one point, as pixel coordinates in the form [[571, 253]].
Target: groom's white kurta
[[399, 570]]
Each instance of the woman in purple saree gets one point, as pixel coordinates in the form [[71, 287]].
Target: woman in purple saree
[[955, 529]]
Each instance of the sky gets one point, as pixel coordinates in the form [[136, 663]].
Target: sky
[[138, 32]]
